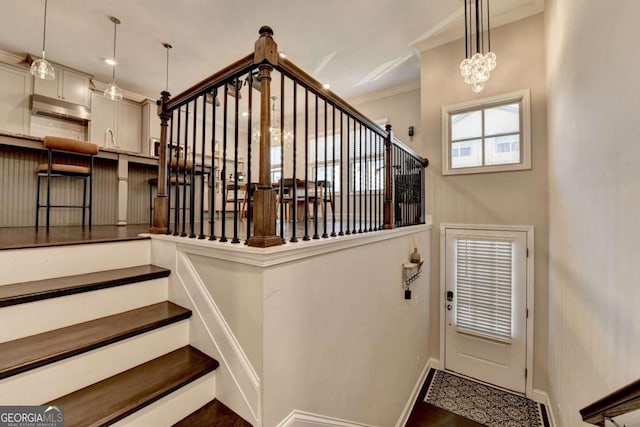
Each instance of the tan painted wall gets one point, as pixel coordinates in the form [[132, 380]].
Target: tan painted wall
[[340, 340], [506, 198], [402, 110], [594, 177]]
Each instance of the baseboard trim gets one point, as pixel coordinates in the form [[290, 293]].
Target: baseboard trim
[[307, 419], [543, 397], [404, 416]]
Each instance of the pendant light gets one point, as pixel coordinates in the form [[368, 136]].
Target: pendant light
[[476, 67], [41, 68], [112, 91]]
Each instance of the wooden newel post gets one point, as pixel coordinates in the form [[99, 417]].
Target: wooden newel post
[[160, 208], [388, 189], [264, 199]]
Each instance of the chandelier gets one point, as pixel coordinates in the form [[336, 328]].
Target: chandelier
[[476, 69], [277, 133]]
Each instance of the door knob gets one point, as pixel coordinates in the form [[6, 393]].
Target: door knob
[[449, 307]]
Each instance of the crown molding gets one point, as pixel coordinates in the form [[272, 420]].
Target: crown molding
[[385, 93], [11, 58]]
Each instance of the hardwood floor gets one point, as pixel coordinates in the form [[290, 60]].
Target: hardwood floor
[[30, 237], [424, 414]]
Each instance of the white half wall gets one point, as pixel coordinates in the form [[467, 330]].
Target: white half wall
[[340, 339]]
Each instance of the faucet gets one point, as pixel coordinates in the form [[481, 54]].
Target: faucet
[[114, 144]]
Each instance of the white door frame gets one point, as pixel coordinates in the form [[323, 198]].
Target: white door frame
[[529, 292]]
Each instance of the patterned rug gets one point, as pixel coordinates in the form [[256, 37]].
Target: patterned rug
[[482, 403]]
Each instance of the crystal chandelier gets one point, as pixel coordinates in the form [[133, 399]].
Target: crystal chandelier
[[41, 68], [476, 69], [112, 91]]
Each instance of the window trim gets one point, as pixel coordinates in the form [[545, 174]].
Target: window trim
[[522, 96]]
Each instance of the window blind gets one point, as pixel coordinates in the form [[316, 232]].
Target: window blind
[[484, 272]]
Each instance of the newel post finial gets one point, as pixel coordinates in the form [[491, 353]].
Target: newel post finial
[[160, 203], [264, 199], [388, 189]]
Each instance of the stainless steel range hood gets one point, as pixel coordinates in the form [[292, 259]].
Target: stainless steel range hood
[[59, 109]]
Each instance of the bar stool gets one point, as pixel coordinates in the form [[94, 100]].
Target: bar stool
[[177, 178], [51, 169]]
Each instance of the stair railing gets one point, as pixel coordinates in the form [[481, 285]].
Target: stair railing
[[335, 171], [620, 402]]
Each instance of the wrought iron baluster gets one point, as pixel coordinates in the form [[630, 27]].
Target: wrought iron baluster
[[294, 183], [306, 164], [325, 180], [176, 210], [236, 127], [282, 136], [333, 169], [170, 170], [223, 177], [249, 137], [213, 175], [348, 195], [315, 175]]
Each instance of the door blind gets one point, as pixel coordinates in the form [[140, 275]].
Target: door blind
[[484, 286]]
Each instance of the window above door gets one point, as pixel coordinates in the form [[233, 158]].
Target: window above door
[[487, 135]]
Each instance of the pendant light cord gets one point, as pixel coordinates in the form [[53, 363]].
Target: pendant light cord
[[488, 27], [166, 85], [115, 30], [44, 34], [466, 36]]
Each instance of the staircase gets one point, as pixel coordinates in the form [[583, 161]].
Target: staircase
[[89, 328]]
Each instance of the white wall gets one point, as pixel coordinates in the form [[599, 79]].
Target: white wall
[[503, 198], [594, 210], [340, 340]]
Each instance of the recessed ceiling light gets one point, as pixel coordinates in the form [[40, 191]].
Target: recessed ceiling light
[[110, 61], [326, 85], [245, 114], [282, 55]]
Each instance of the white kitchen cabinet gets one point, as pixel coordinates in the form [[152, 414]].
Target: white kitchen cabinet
[[123, 118], [15, 88], [150, 126], [129, 128], [69, 85]]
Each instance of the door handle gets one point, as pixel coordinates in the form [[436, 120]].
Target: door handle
[[449, 296], [449, 307]]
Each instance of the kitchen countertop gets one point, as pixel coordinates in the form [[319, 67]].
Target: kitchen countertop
[[34, 142]]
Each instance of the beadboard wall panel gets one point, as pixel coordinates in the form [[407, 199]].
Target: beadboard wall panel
[[138, 195], [18, 190]]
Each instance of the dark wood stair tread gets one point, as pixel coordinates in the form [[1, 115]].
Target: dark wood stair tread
[[213, 414], [37, 350], [114, 398], [19, 293]]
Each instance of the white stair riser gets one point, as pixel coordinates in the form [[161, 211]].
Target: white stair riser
[[174, 407], [31, 318], [58, 379], [24, 265]]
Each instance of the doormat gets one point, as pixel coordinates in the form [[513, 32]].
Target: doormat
[[484, 404]]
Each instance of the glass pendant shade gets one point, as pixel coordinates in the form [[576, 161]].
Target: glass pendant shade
[[42, 69], [113, 92]]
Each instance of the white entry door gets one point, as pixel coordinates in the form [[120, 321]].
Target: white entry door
[[486, 305]]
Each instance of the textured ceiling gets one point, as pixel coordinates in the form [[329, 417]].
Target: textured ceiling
[[358, 46]]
